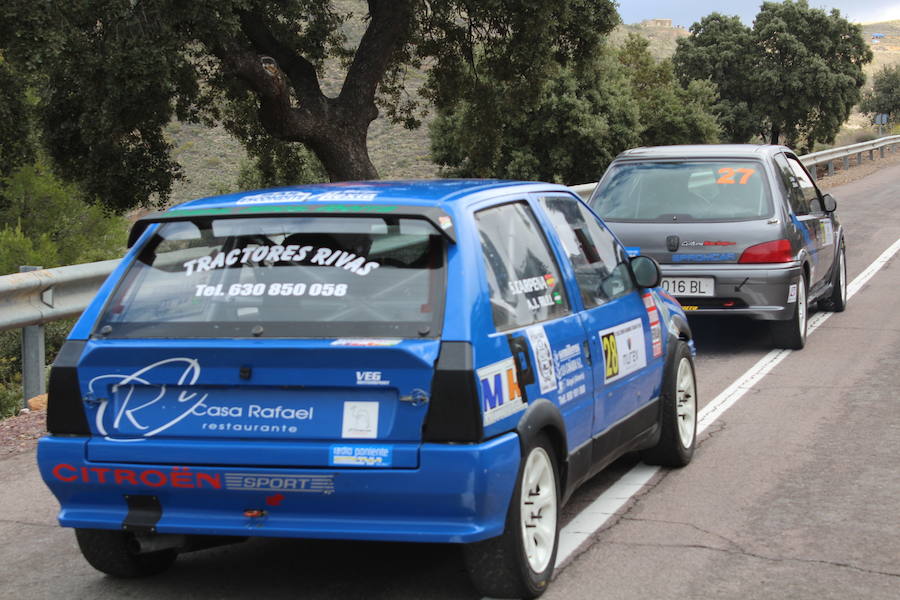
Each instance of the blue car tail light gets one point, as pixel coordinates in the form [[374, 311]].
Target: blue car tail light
[[65, 409], [453, 412]]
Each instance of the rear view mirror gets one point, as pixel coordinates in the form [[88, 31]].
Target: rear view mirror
[[646, 271], [829, 203]]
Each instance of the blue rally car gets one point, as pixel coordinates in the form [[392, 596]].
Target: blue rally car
[[440, 361]]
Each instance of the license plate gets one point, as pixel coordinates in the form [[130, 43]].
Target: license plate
[[689, 286]]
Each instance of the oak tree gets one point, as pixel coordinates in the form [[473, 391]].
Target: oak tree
[[794, 76], [884, 98]]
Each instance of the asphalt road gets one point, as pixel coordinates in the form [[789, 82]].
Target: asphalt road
[[793, 493]]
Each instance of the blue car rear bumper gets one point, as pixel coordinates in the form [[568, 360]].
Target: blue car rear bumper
[[458, 493]]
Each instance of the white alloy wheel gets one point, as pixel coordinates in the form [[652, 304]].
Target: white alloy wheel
[[801, 309], [843, 272], [538, 509], [686, 403]]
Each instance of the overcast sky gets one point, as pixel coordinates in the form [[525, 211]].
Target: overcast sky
[[687, 12]]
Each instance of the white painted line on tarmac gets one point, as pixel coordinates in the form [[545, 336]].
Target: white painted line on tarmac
[[607, 504]]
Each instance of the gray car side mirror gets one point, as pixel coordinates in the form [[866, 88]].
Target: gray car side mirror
[[829, 203]]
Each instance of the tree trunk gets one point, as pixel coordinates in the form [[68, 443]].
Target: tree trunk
[[344, 154], [776, 134]]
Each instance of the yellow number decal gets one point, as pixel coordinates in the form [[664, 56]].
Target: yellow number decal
[[610, 355]]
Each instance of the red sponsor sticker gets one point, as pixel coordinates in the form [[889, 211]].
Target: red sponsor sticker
[[176, 477]]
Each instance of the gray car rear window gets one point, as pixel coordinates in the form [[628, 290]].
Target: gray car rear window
[[687, 191]]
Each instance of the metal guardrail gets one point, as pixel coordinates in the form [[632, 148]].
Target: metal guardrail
[[843, 153], [40, 296], [32, 298], [37, 296], [810, 161]]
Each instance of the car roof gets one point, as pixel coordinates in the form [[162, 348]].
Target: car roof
[[703, 151], [434, 192]]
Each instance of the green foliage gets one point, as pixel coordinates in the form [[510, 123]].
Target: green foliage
[[46, 222], [119, 71], [885, 94], [16, 146], [568, 132], [532, 95], [573, 118], [11, 362], [18, 248], [796, 74], [669, 114], [720, 50]]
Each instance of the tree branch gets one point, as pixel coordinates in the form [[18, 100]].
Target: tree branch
[[276, 113], [300, 71], [390, 20]]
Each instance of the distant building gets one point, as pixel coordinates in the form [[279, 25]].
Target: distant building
[[877, 36], [656, 23]]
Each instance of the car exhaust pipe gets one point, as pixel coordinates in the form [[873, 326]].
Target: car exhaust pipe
[[145, 544]]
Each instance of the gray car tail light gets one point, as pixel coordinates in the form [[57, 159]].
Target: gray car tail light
[[777, 251]]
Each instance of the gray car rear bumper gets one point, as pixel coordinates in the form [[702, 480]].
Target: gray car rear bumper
[[758, 291]]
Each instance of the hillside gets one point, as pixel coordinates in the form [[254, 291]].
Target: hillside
[[886, 49], [663, 37]]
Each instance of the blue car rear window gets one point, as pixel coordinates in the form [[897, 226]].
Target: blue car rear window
[[283, 277]]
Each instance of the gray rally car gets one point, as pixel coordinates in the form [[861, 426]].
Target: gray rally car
[[737, 229]]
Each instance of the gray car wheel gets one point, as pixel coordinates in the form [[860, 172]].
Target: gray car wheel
[[837, 301], [791, 334]]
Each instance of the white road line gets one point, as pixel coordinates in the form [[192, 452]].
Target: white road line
[[598, 512]]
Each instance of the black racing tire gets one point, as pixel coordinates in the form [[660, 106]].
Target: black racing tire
[[111, 552], [837, 301], [791, 334], [678, 419], [519, 562]]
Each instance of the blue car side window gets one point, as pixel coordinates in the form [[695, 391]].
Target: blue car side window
[[596, 258], [523, 277]]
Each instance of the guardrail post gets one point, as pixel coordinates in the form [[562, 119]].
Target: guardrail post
[[830, 168], [872, 154], [846, 162], [32, 356], [881, 151], [858, 158]]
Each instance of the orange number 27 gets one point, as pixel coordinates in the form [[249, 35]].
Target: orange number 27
[[727, 175]]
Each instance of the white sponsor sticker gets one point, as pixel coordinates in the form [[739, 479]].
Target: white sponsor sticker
[[624, 350], [361, 456], [827, 232], [500, 394], [543, 357], [370, 378], [260, 482], [792, 293], [365, 342], [295, 196], [292, 253], [360, 420], [275, 197]]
